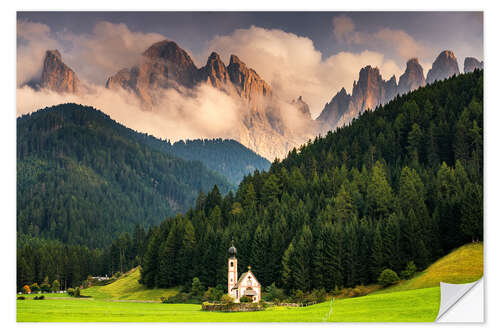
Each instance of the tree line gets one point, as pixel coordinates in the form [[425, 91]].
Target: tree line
[[40, 261]]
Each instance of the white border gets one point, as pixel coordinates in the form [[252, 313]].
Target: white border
[[8, 137]]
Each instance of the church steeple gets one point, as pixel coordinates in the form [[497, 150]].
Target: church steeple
[[232, 271], [232, 250]]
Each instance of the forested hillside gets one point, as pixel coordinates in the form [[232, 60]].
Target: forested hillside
[[82, 178], [227, 157], [401, 183]]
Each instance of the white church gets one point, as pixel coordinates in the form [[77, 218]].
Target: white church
[[246, 285]]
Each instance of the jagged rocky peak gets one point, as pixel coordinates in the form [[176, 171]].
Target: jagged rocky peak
[[369, 91], [215, 72], [169, 50], [247, 82], [168, 60], [335, 109], [391, 89], [471, 64], [164, 65], [412, 78], [57, 76], [443, 67], [302, 106]]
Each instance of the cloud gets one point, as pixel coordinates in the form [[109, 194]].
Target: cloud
[[400, 41], [290, 63], [344, 29], [204, 112], [109, 48], [294, 67], [94, 57], [33, 39]]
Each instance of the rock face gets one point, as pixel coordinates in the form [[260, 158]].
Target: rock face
[[216, 74], [368, 92], [302, 106], [371, 90], [336, 108], [57, 76], [413, 77], [249, 86], [471, 64], [443, 67], [166, 65]]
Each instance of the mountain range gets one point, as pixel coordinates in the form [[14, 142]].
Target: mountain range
[[262, 126], [371, 90]]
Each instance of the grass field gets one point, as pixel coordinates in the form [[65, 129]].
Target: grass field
[[127, 287], [125, 300], [415, 305], [464, 265]]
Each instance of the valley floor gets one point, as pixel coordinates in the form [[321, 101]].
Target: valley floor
[[125, 300], [408, 306]]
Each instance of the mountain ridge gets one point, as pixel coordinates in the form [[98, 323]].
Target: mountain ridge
[[80, 172]]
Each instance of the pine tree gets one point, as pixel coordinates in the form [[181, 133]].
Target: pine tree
[[378, 263], [379, 193]]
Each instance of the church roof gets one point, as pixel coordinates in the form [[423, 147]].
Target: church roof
[[243, 276]]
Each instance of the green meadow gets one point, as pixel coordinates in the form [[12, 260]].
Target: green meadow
[[415, 305], [125, 300], [127, 287]]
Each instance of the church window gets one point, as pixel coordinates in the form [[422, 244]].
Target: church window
[[232, 264]]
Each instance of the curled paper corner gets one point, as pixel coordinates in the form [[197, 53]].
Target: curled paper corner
[[457, 306]]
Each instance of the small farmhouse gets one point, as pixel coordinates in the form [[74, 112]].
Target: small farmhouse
[[246, 285]]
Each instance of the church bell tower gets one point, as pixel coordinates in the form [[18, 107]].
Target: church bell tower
[[232, 272]]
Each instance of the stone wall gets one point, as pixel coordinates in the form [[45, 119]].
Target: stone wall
[[232, 307]]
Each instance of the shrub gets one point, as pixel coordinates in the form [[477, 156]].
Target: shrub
[[273, 293], [56, 286], [45, 286], [77, 292], [388, 277], [358, 291], [39, 297], [317, 295], [245, 299], [180, 298], [35, 288], [409, 271], [20, 298], [71, 291], [213, 295], [226, 299], [298, 296], [26, 289], [197, 288]]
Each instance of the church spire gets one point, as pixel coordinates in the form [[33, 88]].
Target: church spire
[[232, 250]]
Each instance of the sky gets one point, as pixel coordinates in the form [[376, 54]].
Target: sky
[[309, 54]]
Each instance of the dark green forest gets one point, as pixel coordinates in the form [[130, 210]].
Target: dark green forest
[[401, 183], [227, 157], [83, 179]]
